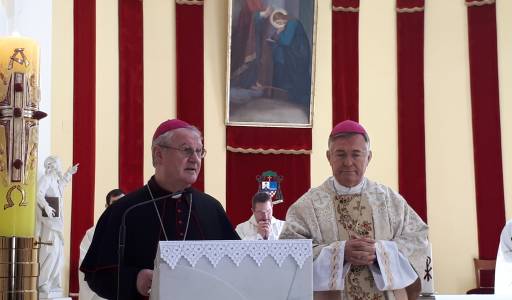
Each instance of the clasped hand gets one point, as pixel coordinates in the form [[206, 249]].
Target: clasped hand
[[264, 229], [360, 251]]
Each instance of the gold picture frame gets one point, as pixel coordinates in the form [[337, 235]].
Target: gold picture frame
[[270, 63]]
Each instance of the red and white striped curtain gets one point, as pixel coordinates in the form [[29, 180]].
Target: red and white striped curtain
[[419, 124]]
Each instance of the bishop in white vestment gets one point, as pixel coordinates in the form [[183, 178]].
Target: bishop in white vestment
[[368, 242]]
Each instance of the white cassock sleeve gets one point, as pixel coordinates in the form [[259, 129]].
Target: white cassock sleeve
[[392, 271], [328, 268], [246, 231], [503, 273], [85, 292]]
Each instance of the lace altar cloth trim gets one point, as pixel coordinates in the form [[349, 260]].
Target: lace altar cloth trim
[[172, 251]]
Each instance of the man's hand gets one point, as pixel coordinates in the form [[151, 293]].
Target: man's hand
[[144, 279], [266, 13], [360, 251], [50, 211], [264, 229]]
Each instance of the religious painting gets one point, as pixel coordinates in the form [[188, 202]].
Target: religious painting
[[270, 68]]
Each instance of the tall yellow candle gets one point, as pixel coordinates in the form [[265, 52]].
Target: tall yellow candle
[[19, 115]]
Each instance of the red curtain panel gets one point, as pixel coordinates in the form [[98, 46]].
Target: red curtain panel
[[253, 150], [345, 60], [131, 96], [190, 66], [84, 129], [483, 64], [411, 113]]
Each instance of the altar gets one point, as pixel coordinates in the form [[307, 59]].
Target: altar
[[230, 270]]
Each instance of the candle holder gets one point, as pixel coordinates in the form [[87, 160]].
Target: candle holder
[[19, 268]]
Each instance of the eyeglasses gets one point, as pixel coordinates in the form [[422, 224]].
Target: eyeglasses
[[188, 151]]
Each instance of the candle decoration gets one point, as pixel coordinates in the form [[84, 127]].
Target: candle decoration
[[19, 116]]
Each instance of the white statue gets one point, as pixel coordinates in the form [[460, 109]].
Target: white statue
[[50, 223]]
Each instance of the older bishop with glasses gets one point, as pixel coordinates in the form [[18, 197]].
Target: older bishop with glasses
[[183, 213]]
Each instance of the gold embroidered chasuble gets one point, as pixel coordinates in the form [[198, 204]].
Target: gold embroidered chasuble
[[354, 216], [383, 215]]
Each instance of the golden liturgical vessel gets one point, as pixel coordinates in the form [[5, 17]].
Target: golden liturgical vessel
[[19, 120]]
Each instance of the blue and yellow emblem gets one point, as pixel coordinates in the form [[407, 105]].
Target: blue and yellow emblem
[[270, 182]]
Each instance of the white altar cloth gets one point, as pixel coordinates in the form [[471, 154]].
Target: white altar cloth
[[233, 270]]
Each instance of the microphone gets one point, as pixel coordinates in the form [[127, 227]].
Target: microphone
[[122, 228]]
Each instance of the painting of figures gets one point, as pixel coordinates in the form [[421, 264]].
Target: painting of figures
[[270, 63]]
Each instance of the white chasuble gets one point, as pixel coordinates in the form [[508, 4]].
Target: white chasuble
[[379, 213], [503, 274]]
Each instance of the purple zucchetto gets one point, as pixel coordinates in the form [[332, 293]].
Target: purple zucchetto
[[348, 126], [170, 125]]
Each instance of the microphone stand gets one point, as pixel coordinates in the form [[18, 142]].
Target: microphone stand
[[122, 232]]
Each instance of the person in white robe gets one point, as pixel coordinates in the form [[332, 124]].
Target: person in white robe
[[85, 292], [368, 243], [503, 272], [262, 225]]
